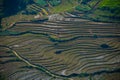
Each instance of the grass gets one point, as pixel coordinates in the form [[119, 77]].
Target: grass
[[83, 8], [9, 21], [41, 2], [44, 2], [66, 5], [107, 11], [110, 3], [92, 3], [54, 2]]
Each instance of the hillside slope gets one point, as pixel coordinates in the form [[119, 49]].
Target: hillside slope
[[97, 10], [106, 10]]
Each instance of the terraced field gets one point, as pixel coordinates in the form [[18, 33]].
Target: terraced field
[[73, 49]]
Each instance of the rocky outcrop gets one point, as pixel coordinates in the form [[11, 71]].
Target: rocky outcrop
[[55, 17]]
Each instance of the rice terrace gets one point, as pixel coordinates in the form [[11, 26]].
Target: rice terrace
[[60, 40]]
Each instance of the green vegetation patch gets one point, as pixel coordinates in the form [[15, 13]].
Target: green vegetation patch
[[112, 6], [41, 2], [66, 5], [83, 8], [110, 3], [92, 3], [107, 10], [7, 22], [54, 2]]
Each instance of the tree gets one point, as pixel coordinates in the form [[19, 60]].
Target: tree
[[11, 8]]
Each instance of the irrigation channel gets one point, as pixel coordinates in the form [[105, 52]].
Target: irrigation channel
[[62, 49]]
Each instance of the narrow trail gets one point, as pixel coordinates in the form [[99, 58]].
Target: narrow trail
[[30, 64]]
